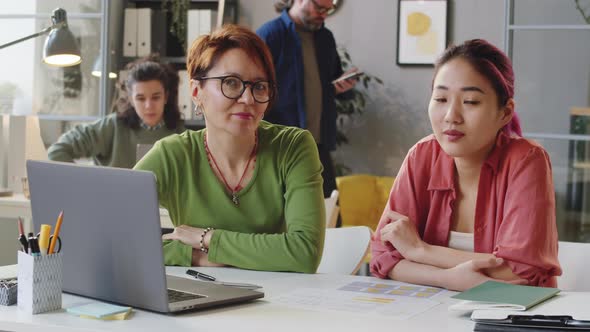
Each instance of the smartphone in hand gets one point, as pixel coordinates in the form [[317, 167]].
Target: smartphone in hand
[[348, 76]]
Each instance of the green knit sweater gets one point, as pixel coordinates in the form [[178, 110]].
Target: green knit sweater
[[279, 224], [108, 141]]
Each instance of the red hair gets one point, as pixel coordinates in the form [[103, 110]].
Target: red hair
[[206, 50]]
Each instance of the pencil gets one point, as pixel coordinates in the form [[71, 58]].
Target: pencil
[[55, 233], [21, 229]]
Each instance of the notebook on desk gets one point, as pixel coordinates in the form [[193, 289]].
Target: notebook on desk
[[502, 296], [111, 238]]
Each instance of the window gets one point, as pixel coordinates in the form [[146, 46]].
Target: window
[[549, 43]]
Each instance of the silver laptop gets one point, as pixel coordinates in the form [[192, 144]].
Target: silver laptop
[[111, 236]]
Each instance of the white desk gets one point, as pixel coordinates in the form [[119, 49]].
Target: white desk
[[18, 205], [259, 315]]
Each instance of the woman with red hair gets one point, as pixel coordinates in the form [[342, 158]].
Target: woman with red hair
[[474, 201], [242, 192]]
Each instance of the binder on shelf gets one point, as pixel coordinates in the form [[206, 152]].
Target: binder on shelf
[[207, 18], [199, 22], [130, 32], [192, 26], [144, 31], [184, 95]]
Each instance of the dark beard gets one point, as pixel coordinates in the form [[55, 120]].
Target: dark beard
[[311, 26]]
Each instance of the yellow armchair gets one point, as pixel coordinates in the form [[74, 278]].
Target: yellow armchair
[[363, 198]]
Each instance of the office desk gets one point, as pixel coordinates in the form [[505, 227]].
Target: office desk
[[18, 205], [259, 315]]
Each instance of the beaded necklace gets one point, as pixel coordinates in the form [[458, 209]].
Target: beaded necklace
[[234, 191]]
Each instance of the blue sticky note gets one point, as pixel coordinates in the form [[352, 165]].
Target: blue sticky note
[[98, 309]]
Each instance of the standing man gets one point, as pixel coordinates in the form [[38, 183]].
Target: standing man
[[306, 61]]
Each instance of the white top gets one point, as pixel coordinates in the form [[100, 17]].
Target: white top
[[461, 241]]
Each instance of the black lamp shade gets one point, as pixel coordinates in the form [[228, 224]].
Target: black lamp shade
[[61, 48]]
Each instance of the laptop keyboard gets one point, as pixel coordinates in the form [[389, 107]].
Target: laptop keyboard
[[177, 296]]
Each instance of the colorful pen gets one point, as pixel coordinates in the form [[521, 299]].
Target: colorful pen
[[21, 236], [55, 233]]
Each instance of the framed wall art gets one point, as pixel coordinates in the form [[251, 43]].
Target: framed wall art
[[422, 31]]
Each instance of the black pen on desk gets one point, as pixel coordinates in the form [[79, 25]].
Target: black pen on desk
[[199, 275]]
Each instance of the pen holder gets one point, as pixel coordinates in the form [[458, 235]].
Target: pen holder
[[8, 293], [39, 282]]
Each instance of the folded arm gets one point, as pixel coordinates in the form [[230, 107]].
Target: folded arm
[[401, 233], [461, 277]]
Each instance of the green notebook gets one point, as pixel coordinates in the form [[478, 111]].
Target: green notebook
[[499, 295]]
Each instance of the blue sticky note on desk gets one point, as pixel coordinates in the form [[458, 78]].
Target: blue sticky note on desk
[[98, 309]]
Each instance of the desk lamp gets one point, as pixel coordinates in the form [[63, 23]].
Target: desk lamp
[[61, 48], [97, 68]]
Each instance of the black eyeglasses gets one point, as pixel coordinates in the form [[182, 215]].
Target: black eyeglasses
[[323, 10], [233, 87]]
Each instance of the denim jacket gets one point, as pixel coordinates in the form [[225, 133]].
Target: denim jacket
[[285, 45]]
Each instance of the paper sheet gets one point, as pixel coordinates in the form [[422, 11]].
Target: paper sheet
[[392, 299]]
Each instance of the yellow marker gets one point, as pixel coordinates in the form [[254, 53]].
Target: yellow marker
[[56, 233], [44, 238]]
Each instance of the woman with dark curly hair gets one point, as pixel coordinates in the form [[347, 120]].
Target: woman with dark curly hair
[[148, 112]]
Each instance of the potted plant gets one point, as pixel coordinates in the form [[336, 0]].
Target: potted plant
[[178, 15]]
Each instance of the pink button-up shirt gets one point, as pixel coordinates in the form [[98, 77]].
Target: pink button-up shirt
[[514, 212]]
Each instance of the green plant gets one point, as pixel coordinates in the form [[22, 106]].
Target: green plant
[[353, 105], [178, 10]]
